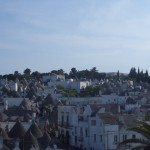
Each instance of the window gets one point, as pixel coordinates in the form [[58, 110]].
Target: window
[[81, 132], [94, 137], [75, 139], [86, 134], [67, 120], [124, 137], [101, 138], [115, 138], [133, 136], [75, 130], [62, 120], [93, 122]]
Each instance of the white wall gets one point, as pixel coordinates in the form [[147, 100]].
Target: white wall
[[129, 107], [14, 101], [53, 77], [113, 99], [129, 134], [13, 87], [79, 127], [77, 85], [82, 100]]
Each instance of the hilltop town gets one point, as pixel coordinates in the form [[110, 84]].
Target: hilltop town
[[82, 110]]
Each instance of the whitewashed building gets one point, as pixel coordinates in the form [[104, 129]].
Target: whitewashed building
[[77, 85], [53, 77], [91, 128]]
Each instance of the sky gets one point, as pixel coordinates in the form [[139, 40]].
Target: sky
[[46, 35]]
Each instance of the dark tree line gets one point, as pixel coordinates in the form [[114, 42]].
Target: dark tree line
[[136, 75], [74, 73], [88, 74], [26, 74], [139, 75]]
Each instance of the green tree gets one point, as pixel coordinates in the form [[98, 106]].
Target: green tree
[[138, 77], [16, 72], [17, 75], [36, 75], [132, 73], [94, 69], [146, 76], [144, 130], [118, 74], [11, 77], [60, 71], [73, 73], [141, 76], [69, 93], [94, 73], [27, 71], [60, 87]]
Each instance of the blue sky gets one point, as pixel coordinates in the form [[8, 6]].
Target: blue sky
[[53, 34]]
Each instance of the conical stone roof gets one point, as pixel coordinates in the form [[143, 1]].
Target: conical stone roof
[[18, 131], [44, 140], [29, 141], [25, 105], [3, 117], [4, 134], [49, 100], [35, 130], [46, 137]]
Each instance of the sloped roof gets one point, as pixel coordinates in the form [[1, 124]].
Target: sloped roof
[[27, 117], [38, 99], [29, 141], [49, 100], [46, 137], [35, 130], [4, 134], [113, 108], [52, 133], [25, 104], [59, 103], [108, 118], [17, 111], [129, 121], [17, 131], [95, 108], [5, 147], [3, 117], [16, 118], [44, 140]]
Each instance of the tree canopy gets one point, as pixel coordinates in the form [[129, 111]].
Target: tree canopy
[[144, 143], [139, 76]]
